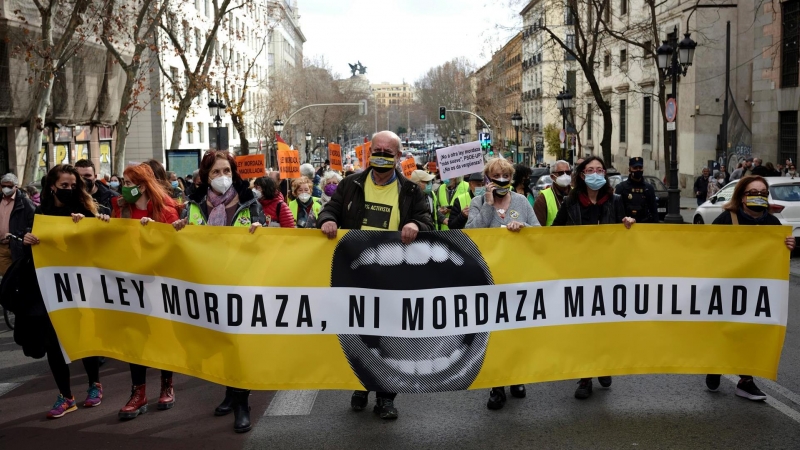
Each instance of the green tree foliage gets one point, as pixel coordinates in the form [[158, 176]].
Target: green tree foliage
[[551, 140]]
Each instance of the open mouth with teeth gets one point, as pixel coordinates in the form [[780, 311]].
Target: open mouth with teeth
[[378, 260]]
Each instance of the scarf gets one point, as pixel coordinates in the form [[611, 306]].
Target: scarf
[[584, 199], [217, 216]]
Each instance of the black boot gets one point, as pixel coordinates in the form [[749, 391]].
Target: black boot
[[241, 410], [226, 407]]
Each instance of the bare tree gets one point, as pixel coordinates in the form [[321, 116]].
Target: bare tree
[[131, 26], [47, 55], [448, 85]]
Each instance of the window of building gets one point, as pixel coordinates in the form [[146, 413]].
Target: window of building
[[623, 7], [570, 41], [623, 121], [190, 132], [201, 132], [790, 57], [623, 58], [647, 119], [607, 12], [572, 85], [607, 62], [787, 135], [648, 49], [569, 17], [198, 43]]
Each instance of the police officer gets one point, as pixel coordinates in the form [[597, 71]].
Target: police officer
[[638, 197]]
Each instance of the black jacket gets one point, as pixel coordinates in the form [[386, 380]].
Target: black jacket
[[103, 197], [346, 207], [701, 186], [246, 200], [20, 222], [725, 219], [573, 213], [645, 213], [457, 220]]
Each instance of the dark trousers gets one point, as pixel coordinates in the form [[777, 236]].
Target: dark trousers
[[59, 367], [389, 395], [139, 374]]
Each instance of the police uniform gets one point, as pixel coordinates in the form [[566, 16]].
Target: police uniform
[[639, 197]]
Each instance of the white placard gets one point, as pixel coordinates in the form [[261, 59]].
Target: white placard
[[460, 160]]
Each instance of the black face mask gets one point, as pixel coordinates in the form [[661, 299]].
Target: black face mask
[[66, 196], [757, 209], [637, 175], [89, 185]]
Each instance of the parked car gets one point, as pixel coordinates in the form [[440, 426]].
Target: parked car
[[543, 182], [662, 195], [784, 202]]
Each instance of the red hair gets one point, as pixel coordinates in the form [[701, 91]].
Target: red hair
[[142, 175]]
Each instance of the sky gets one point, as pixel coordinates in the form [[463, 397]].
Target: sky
[[399, 40]]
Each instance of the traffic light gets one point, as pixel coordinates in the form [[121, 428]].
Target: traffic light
[[486, 140], [442, 113]]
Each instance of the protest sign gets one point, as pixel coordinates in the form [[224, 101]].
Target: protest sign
[[460, 160]]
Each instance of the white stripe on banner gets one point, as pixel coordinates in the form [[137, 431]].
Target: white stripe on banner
[[418, 313]]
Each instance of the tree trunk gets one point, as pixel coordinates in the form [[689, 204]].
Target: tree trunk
[[35, 126], [124, 118], [240, 128], [183, 111], [608, 128]]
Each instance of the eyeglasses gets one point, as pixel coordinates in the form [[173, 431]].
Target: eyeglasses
[[755, 193], [592, 170], [562, 172]]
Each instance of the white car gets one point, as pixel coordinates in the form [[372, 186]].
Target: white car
[[784, 202], [541, 184]]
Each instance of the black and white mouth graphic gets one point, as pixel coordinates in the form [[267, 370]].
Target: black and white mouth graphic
[[378, 260]]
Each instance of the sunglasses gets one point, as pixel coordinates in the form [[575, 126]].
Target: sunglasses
[[563, 172], [756, 193]]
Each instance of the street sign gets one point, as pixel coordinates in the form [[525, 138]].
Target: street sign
[[670, 126], [671, 110], [562, 135]]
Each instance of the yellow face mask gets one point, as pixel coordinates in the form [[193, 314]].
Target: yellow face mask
[[382, 162]]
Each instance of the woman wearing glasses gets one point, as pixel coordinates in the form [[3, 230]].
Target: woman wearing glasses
[[592, 202], [749, 205]]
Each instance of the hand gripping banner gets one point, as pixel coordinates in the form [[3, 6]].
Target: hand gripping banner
[[290, 309]]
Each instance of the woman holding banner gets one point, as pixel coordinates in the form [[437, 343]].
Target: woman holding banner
[[63, 194], [224, 199], [500, 207], [749, 205], [592, 202], [146, 200]]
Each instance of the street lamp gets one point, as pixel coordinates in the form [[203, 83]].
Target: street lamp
[[308, 143], [516, 121], [564, 103], [216, 108], [278, 127], [463, 134], [674, 64]]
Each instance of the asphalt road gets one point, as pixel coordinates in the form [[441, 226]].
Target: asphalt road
[[657, 412]]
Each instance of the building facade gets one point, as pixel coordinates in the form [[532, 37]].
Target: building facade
[[389, 94]]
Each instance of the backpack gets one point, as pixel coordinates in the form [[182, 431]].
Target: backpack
[[276, 219]]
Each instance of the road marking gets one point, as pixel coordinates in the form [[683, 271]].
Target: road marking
[[5, 388], [771, 401], [292, 403]]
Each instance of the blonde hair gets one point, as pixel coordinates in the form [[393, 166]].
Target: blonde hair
[[499, 164], [299, 182]]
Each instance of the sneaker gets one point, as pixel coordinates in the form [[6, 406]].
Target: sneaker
[[94, 396], [359, 400], [748, 389], [584, 388], [712, 382], [604, 381], [518, 391], [384, 407], [62, 406], [497, 398]]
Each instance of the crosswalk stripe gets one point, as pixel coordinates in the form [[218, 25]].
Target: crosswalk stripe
[[771, 401], [5, 388], [292, 403]]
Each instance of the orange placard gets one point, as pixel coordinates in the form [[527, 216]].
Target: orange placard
[[432, 167], [288, 161], [409, 166], [335, 156], [251, 166], [363, 158]]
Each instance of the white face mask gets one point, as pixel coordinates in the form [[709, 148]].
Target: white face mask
[[7, 191], [256, 194], [221, 184], [564, 180], [304, 197]]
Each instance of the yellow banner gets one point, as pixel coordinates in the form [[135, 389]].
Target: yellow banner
[[454, 310]]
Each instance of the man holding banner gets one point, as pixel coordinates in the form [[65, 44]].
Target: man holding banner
[[378, 199]]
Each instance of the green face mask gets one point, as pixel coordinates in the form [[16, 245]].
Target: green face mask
[[428, 188], [131, 193]]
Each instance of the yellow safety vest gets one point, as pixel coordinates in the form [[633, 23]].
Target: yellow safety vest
[[196, 216], [316, 207], [552, 205], [461, 193]]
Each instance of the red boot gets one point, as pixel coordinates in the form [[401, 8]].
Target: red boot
[[136, 405], [167, 397]]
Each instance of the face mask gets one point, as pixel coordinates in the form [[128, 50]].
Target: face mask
[[256, 193], [480, 190], [65, 196], [502, 186], [7, 191], [756, 203], [595, 181], [113, 184], [636, 175], [428, 188], [88, 184], [330, 189], [721, 181], [564, 180], [131, 193], [221, 184], [382, 162], [175, 183], [304, 197], [445, 180]]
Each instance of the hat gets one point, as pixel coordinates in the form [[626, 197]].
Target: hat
[[636, 161], [750, 159], [420, 175], [475, 177]]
